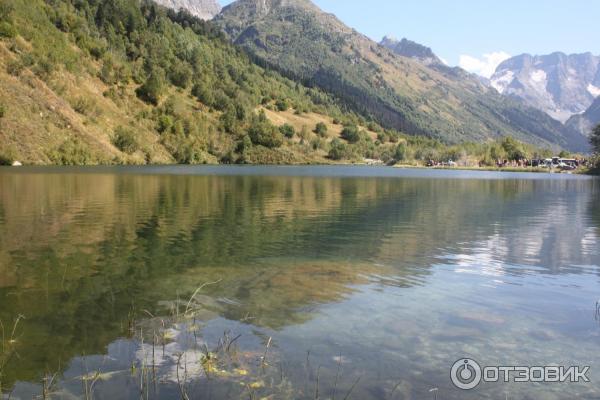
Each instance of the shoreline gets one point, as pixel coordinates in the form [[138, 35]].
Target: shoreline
[[532, 170]]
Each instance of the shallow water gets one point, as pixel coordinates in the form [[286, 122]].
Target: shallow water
[[388, 276]]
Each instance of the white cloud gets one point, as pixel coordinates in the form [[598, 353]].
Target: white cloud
[[485, 66]]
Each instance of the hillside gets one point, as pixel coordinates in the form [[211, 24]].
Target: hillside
[[77, 86], [305, 43], [588, 120]]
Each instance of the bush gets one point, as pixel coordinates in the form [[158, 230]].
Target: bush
[[282, 105], [287, 130], [262, 132], [400, 154], [7, 30], [595, 139], [337, 150], [7, 156], [14, 67], [165, 123], [72, 152], [321, 129], [125, 140], [351, 133], [181, 75], [84, 106], [152, 90], [2, 110]]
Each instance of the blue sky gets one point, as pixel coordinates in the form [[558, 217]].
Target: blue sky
[[483, 32]]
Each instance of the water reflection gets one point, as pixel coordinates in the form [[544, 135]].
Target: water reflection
[[371, 266]]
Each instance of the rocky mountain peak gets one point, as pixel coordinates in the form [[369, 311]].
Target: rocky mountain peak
[[559, 84], [410, 49], [204, 9]]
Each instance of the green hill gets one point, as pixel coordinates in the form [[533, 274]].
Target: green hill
[[129, 82], [305, 43]]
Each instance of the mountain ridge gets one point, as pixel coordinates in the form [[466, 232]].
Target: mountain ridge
[[411, 49], [588, 120], [203, 9], [562, 85], [303, 42]]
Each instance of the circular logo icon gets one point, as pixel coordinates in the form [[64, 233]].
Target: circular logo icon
[[466, 374]]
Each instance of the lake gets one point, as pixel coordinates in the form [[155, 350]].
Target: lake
[[294, 282]]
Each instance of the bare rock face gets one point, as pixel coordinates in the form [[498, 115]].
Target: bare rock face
[[587, 121], [559, 84], [410, 49], [204, 9]]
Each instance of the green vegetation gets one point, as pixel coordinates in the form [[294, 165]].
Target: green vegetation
[[306, 44], [321, 129], [595, 142], [351, 134], [595, 139], [125, 140], [174, 90], [287, 130]]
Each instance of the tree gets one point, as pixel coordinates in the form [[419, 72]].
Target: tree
[[337, 150], [400, 154], [153, 89], [262, 132], [287, 130], [351, 133], [282, 105], [321, 129], [595, 140]]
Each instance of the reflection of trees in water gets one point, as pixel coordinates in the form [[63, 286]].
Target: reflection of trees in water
[[90, 247]]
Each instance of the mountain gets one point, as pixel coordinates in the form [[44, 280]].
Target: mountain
[[586, 122], [203, 9], [131, 82], [410, 49], [306, 44], [560, 85]]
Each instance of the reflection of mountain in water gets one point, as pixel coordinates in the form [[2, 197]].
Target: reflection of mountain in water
[[79, 252]]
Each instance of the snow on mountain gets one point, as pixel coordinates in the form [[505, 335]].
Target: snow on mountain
[[560, 85]]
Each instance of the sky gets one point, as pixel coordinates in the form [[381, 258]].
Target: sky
[[477, 34]]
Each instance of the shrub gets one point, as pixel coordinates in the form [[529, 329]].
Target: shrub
[[84, 106], [262, 132], [282, 105], [14, 67], [337, 150], [72, 152], [7, 30], [7, 156], [165, 123], [152, 90], [351, 133], [287, 130], [400, 154], [125, 140], [181, 75], [2, 110], [595, 139], [321, 129], [43, 69]]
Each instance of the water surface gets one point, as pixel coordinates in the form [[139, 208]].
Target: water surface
[[376, 278]]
